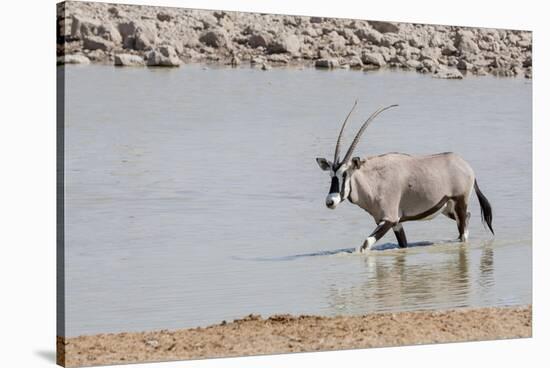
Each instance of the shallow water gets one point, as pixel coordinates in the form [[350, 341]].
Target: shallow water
[[192, 195]]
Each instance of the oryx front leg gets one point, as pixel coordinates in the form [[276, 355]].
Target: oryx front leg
[[379, 232]]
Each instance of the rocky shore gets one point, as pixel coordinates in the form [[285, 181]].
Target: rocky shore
[[285, 333], [132, 35]]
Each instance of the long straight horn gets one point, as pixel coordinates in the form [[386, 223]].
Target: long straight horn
[[337, 150], [360, 133]]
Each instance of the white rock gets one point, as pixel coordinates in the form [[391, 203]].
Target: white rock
[[370, 35], [73, 59], [447, 73], [215, 38], [145, 37], [289, 43], [262, 39], [373, 58], [464, 41], [414, 64], [163, 56], [97, 43], [110, 33], [336, 42], [82, 26], [128, 60]]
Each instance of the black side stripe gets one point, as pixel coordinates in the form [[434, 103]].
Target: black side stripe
[[427, 213]]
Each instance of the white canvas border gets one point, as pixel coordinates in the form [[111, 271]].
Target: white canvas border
[[28, 185]]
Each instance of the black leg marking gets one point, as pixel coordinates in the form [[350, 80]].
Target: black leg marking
[[400, 235], [379, 232], [381, 229]]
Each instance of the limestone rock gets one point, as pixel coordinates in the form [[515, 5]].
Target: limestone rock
[[289, 43], [373, 59], [390, 39], [447, 73], [370, 35], [262, 39], [128, 60], [278, 58], [448, 50], [145, 37], [73, 59], [464, 42], [414, 64], [82, 26], [327, 63], [97, 55], [110, 33], [355, 62], [163, 56], [97, 43], [137, 35], [432, 53], [336, 42], [216, 38], [463, 65]]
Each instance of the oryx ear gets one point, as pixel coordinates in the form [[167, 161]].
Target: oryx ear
[[356, 162], [323, 163]]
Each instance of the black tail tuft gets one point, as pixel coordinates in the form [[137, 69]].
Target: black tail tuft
[[486, 211]]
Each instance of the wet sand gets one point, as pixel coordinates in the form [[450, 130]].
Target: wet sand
[[255, 335]]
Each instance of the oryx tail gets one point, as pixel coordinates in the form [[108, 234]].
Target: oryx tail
[[486, 211]]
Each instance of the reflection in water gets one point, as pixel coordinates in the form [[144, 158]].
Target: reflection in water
[[486, 266], [401, 281]]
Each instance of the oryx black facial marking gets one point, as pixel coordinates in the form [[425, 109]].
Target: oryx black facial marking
[[334, 185], [395, 187], [339, 183]]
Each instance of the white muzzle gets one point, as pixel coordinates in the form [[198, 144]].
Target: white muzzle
[[332, 200]]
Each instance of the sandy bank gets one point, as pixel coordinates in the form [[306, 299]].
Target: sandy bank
[[285, 333]]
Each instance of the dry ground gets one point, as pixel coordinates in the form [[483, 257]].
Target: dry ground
[[285, 333]]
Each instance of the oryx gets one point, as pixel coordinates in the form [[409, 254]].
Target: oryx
[[396, 187]]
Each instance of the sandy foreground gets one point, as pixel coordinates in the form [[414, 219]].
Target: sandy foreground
[[255, 335]]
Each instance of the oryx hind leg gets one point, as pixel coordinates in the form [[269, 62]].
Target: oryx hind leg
[[449, 210], [452, 210], [400, 235], [462, 218], [379, 232]]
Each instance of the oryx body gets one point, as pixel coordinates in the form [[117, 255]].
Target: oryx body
[[396, 187]]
